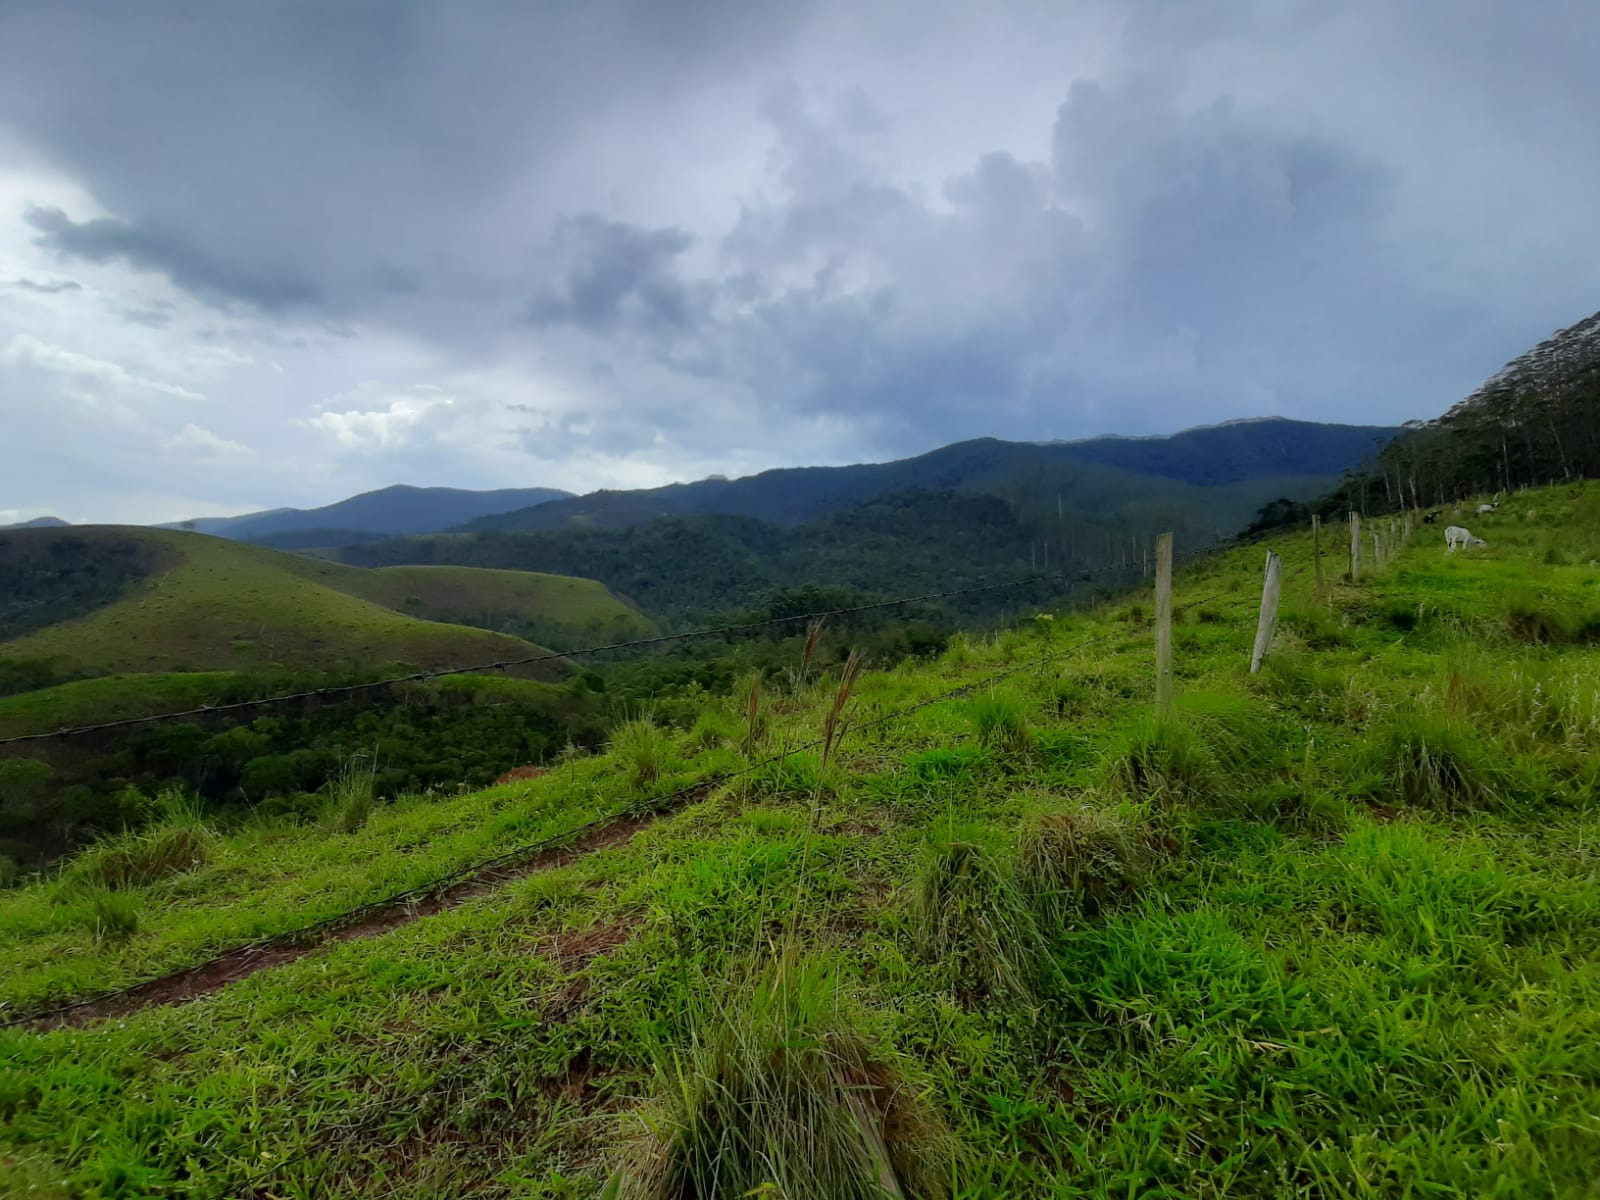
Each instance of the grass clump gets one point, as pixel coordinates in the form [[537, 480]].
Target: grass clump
[[179, 842], [1541, 620], [644, 748], [351, 794], [1001, 720], [780, 1095], [968, 913], [1166, 759], [1082, 859], [1436, 762], [113, 916]]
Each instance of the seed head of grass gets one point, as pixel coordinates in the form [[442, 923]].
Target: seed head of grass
[[779, 1094]]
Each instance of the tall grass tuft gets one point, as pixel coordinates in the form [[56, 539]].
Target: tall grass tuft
[[644, 748], [352, 794], [1081, 859], [1001, 720], [114, 916], [779, 1095], [1436, 762], [968, 912], [178, 843], [1532, 617], [1165, 760]]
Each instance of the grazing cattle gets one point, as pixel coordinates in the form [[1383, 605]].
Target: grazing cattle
[[1430, 518], [1488, 508], [1455, 536]]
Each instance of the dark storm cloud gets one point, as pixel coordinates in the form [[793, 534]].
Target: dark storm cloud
[[1340, 210], [106, 240], [46, 288], [609, 273]]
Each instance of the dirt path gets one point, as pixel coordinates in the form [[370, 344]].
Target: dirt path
[[193, 982]]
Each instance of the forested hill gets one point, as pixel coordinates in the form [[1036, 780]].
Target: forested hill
[[1239, 452], [388, 511], [1535, 420]]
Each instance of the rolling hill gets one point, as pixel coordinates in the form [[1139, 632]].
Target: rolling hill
[[391, 510], [1325, 930], [118, 599]]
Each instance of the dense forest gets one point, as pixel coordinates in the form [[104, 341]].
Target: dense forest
[[1535, 422]]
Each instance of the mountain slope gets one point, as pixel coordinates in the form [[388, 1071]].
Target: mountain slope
[[1236, 453], [1535, 420], [184, 602], [392, 510]]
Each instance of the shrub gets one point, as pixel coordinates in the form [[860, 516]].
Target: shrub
[[1436, 762], [642, 747], [1081, 859], [1001, 719], [967, 912], [780, 1095]]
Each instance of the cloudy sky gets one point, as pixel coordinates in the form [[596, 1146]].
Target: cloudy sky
[[278, 253]]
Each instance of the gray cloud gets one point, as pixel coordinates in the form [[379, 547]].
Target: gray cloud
[[674, 237], [48, 288], [609, 273], [105, 240]]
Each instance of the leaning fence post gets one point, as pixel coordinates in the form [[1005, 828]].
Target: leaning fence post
[[1377, 552], [1355, 546], [1271, 586], [1164, 624], [1316, 548]]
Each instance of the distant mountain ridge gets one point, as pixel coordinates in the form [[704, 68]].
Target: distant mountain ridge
[[390, 511], [39, 523], [1214, 455]]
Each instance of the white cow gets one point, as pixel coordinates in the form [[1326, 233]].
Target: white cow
[[1455, 536], [1488, 508]]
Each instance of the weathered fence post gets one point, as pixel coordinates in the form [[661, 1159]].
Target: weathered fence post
[[1271, 586], [1164, 625], [1377, 552], [1355, 546], [1316, 548]]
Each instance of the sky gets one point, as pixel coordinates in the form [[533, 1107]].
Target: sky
[[281, 253]]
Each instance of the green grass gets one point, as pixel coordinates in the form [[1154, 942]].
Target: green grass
[[227, 606], [1236, 960]]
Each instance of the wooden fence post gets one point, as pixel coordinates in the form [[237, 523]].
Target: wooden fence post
[[1316, 548], [1377, 552], [1164, 625], [1355, 546], [1271, 587]]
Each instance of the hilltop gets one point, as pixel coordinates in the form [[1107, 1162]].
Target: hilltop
[[1299, 457], [388, 511], [1330, 930], [118, 599]]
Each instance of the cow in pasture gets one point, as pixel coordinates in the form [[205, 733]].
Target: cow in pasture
[[1455, 536], [1430, 518], [1488, 508]]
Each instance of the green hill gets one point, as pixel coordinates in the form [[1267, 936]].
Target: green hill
[[143, 600], [1330, 930]]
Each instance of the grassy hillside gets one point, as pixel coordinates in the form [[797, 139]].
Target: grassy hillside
[[1334, 930], [555, 610], [199, 603]]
